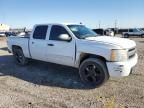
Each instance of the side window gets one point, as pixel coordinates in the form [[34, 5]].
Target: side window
[[40, 32], [130, 30], [56, 31]]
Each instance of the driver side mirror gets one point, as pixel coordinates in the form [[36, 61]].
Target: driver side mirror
[[65, 37]]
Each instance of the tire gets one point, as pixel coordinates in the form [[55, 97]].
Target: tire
[[93, 72], [142, 36], [126, 36], [19, 57]]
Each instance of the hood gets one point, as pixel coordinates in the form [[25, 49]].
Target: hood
[[121, 42]]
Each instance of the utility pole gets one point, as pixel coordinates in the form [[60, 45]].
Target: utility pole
[[116, 25], [116, 22], [99, 24]]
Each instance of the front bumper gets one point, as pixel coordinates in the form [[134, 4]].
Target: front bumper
[[119, 69]]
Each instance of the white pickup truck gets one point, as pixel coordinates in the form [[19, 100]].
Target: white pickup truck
[[96, 57]]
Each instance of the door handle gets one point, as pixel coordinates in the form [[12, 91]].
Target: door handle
[[50, 44]]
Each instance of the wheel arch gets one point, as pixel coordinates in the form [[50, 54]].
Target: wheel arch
[[16, 47], [23, 48], [85, 56]]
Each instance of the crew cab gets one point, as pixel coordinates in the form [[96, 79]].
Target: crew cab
[[96, 57], [134, 32]]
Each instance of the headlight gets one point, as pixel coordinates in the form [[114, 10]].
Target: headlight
[[119, 55]]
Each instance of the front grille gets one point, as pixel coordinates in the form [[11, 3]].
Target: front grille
[[131, 56], [131, 52], [132, 49]]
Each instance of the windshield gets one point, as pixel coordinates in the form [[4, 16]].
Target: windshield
[[141, 30], [138, 30], [81, 32]]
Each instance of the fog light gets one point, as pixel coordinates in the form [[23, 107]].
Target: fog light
[[119, 68]]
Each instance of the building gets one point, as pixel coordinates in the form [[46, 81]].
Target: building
[[4, 27]]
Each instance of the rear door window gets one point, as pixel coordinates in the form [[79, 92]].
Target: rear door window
[[40, 32], [130, 30]]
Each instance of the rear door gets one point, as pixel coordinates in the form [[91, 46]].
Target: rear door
[[131, 32], [58, 51], [38, 42]]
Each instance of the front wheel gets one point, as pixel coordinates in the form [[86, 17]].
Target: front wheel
[[93, 72], [19, 57], [142, 36]]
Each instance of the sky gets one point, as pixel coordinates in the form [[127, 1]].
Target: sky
[[93, 13]]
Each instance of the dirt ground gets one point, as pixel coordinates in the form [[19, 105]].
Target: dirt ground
[[45, 85]]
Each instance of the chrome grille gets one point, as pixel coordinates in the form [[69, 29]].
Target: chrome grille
[[131, 52]]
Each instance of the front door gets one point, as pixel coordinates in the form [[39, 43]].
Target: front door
[[59, 51]]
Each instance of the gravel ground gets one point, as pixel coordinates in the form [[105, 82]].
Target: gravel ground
[[45, 85]]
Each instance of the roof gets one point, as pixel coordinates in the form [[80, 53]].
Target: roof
[[59, 24]]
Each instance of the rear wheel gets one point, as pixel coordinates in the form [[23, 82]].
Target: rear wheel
[[19, 57], [93, 72], [126, 36]]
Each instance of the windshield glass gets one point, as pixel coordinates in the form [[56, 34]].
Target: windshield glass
[[141, 30], [82, 32], [138, 30]]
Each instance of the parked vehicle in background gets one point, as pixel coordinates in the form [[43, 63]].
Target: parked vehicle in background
[[96, 57], [99, 31], [109, 32], [10, 34], [142, 29], [133, 32], [115, 30], [2, 33], [122, 30], [22, 34]]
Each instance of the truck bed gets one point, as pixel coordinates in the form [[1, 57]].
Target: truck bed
[[22, 41]]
